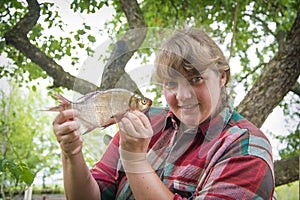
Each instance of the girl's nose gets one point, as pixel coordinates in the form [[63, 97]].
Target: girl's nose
[[184, 90]]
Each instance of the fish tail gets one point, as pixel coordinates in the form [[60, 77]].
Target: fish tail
[[62, 99], [63, 104]]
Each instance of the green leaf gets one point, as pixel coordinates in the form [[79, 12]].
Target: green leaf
[[91, 38], [33, 88], [26, 175], [81, 45]]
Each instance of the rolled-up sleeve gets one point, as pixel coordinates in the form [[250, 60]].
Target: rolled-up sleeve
[[105, 170]]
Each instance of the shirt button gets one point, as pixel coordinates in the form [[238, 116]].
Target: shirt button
[[168, 149]]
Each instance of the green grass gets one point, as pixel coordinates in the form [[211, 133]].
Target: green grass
[[288, 192]]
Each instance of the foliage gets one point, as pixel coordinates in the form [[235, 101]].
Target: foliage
[[88, 6], [20, 171], [67, 44], [291, 108], [257, 21], [293, 141], [27, 147], [94, 146]]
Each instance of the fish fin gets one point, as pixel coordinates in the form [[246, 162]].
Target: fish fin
[[89, 130], [87, 96], [90, 127], [109, 122], [113, 119]]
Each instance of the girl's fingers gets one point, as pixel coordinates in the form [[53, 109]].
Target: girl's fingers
[[67, 133], [143, 118], [66, 115], [136, 124], [66, 127]]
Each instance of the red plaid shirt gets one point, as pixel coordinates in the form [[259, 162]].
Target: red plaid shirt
[[225, 158]]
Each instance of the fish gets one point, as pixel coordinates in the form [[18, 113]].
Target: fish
[[102, 108]]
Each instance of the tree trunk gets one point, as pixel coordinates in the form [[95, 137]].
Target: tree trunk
[[276, 80]]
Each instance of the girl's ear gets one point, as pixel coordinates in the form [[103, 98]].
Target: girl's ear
[[223, 79]]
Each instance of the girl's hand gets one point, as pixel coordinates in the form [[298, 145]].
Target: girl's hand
[[67, 133], [135, 132]]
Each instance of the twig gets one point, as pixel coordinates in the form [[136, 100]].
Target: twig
[[233, 30]]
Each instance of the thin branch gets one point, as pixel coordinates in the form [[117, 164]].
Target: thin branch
[[264, 24], [233, 29], [251, 72]]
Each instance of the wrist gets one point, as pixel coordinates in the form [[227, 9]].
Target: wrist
[[73, 155], [135, 162]]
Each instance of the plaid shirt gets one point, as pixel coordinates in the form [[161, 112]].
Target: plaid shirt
[[225, 158]]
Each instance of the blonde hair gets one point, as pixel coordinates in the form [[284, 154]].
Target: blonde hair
[[188, 52]]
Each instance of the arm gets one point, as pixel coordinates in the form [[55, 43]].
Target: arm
[[135, 135], [78, 182], [148, 186]]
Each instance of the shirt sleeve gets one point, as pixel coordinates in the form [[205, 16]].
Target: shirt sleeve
[[105, 171], [243, 177]]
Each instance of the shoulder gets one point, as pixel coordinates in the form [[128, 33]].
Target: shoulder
[[256, 139], [250, 140]]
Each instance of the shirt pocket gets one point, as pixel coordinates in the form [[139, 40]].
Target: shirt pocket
[[184, 189]]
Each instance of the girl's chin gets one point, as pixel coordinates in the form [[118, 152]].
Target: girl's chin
[[192, 120]]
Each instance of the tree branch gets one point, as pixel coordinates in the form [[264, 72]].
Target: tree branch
[[286, 170], [29, 20], [296, 89], [233, 30], [114, 74], [17, 37]]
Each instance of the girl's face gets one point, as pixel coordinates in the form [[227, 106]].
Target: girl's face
[[195, 98]]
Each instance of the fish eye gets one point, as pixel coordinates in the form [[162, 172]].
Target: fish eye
[[144, 101]]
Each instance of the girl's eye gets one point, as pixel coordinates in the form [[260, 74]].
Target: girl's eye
[[170, 84], [196, 80]]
